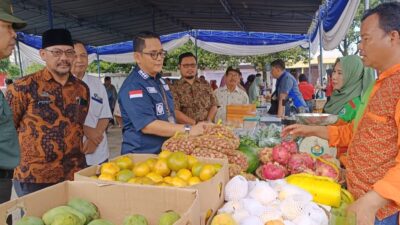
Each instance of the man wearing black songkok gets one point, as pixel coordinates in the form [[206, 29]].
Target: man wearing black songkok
[[49, 108]]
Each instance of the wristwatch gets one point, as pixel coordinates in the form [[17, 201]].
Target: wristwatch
[[187, 128]]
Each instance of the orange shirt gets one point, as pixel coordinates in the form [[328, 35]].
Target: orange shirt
[[373, 159], [49, 119]]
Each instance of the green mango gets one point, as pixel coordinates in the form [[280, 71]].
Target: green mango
[[66, 219], [49, 216], [100, 222], [30, 220], [169, 218], [135, 220], [86, 208]]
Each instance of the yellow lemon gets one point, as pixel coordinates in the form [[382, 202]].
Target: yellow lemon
[[124, 162], [168, 180], [207, 172], [178, 182], [161, 167], [197, 168], [94, 177], [217, 167], [107, 176], [163, 184], [151, 162], [194, 181], [141, 169], [184, 174], [156, 178], [177, 161], [110, 168], [124, 175], [164, 154], [191, 160], [147, 181], [134, 180]]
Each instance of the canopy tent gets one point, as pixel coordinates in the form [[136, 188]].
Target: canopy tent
[[336, 17]]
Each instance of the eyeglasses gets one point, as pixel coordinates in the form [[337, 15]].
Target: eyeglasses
[[58, 52], [187, 66], [154, 55]]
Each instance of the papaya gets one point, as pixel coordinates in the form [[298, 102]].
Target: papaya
[[66, 219], [50, 215], [30, 220], [252, 157], [100, 222], [87, 208], [135, 220]]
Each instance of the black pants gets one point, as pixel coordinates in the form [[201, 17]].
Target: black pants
[[5, 188], [22, 188]]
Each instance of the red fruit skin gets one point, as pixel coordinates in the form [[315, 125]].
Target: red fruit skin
[[280, 155], [273, 171]]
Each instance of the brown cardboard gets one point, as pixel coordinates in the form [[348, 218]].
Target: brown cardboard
[[211, 192], [114, 201]]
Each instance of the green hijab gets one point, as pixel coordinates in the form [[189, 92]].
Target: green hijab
[[254, 90], [356, 80]]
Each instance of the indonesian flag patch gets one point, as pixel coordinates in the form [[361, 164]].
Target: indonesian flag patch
[[136, 94]]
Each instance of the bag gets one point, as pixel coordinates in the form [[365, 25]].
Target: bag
[[273, 110]]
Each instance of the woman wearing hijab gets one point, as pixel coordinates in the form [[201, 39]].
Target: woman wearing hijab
[[254, 90], [350, 81]]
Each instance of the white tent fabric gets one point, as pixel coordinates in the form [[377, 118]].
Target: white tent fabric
[[244, 50]]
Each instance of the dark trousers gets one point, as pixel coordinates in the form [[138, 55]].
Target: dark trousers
[[22, 188], [5, 188]]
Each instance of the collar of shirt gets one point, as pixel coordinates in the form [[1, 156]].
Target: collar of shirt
[[182, 81], [146, 76], [225, 88], [385, 74], [47, 76]]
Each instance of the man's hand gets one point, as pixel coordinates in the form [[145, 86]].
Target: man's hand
[[366, 207], [198, 129], [89, 147], [93, 134]]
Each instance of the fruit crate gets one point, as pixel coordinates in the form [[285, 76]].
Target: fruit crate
[[114, 201], [211, 192]]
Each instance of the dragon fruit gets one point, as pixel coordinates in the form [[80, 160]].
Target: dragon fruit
[[280, 155], [273, 171], [265, 155], [326, 169], [291, 146], [300, 162]]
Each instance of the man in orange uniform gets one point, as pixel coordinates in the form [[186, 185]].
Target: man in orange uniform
[[373, 139]]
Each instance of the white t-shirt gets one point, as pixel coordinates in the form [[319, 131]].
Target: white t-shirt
[[226, 97], [98, 109]]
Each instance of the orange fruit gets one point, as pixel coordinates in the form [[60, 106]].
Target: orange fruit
[[207, 172], [141, 169], [134, 180], [177, 161], [168, 180], [124, 175], [107, 176], [217, 167], [178, 182], [184, 174], [109, 167], [150, 162], [191, 160], [164, 154], [124, 162], [197, 168], [194, 181], [161, 167], [156, 178]]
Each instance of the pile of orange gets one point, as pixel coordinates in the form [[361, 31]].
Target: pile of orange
[[168, 169]]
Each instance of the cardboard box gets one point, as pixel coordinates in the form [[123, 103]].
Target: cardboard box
[[114, 201], [211, 192]]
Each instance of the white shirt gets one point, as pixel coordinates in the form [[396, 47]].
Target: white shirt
[[226, 97], [98, 109]]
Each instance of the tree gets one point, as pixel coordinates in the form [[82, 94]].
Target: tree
[[348, 46], [108, 67], [11, 69], [33, 68]]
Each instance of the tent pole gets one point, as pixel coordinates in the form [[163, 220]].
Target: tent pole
[[366, 5], [21, 72], [195, 45], [98, 64], [321, 64], [309, 59], [50, 13]]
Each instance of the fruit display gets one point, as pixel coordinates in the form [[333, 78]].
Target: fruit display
[[251, 154], [284, 159], [262, 136], [268, 203], [81, 212], [168, 169]]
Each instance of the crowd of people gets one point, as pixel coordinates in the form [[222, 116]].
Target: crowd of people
[[54, 122]]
